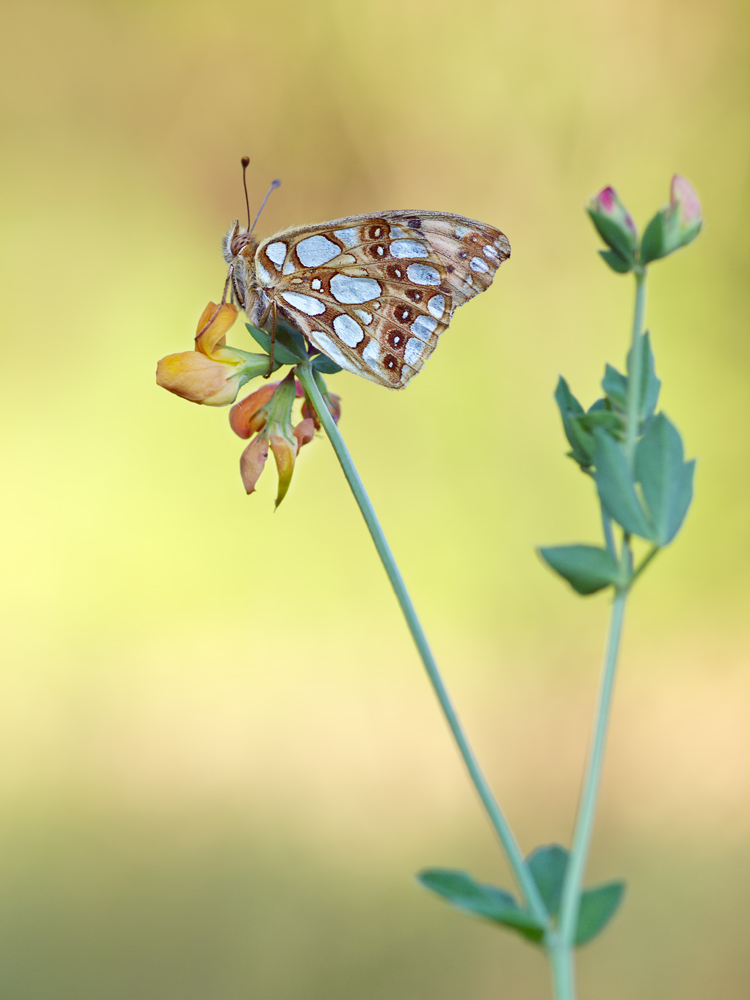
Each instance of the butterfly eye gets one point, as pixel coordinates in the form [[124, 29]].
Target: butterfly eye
[[395, 339], [377, 250], [390, 362], [404, 314], [239, 242], [414, 294]]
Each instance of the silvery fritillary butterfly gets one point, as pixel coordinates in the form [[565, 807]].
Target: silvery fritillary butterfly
[[372, 292]]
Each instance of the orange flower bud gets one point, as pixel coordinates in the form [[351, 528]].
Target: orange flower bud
[[212, 374], [245, 417]]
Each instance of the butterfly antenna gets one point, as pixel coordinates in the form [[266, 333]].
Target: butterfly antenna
[[274, 185], [245, 161]]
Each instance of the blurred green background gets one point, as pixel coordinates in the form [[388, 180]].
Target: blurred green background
[[220, 763]]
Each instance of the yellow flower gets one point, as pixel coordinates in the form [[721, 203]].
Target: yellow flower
[[213, 373]]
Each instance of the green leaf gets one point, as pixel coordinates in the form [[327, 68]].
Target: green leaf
[[608, 420], [665, 477], [650, 384], [586, 567], [652, 244], [615, 386], [581, 443], [280, 352], [465, 893], [325, 365], [547, 866], [292, 341], [615, 236], [598, 906], [615, 261], [615, 485]]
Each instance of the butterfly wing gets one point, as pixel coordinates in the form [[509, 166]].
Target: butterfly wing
[[374, 292]]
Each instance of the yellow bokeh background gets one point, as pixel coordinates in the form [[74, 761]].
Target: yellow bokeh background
[[220, 764]]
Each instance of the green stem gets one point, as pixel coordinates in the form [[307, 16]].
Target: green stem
[[586, 811], [571, 895], [563, 970], [608, 536], [497, 818], [635, 374], [644, 564]]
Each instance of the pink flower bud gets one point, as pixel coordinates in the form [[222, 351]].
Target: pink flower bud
[[616, 228], [674, 226], [607, 203], [684, 203]]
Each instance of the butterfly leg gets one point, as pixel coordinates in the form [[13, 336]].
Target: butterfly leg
[[273, 340]]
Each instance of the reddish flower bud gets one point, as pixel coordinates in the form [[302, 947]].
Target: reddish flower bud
[[249, 415], [607, 203], [304, 431], [268, 414], [616, 227]]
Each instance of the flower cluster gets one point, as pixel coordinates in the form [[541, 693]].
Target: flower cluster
[[267, 414], [213, 374]]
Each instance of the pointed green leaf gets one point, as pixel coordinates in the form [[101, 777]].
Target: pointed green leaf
[[615, 261], [607, 419], [650, 384], [614, 235], [615, 386], [599, 406], [324, 364], [548, 865], [465, 893], [280, 352], [652, 244], [598, 906], [614, 482], [585, 567], [291, 337], [666, 479], [569, 409], [292, 341], [582, 441]]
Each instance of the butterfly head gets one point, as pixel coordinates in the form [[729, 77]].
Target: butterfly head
[[235, 241]]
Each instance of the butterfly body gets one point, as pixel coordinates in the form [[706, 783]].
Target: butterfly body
[[372, 292]]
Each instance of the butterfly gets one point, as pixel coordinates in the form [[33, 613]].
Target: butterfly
[[371, 292]]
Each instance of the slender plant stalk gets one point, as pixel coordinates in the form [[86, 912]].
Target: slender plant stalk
[[571, 895], [635, 375], [587, 807], [495, 813], [563, 972]]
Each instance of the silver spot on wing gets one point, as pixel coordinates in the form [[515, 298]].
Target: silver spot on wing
[[276, 253], [354, 290], [305, 303], [349, 330], [436, 306], [422, 274], [317, 250], [408, 248]]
